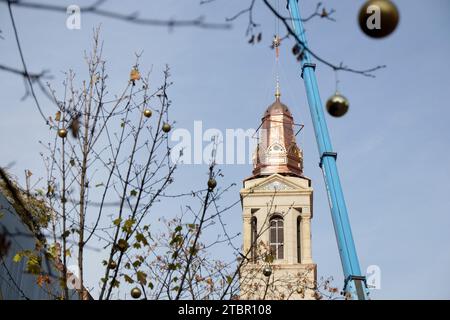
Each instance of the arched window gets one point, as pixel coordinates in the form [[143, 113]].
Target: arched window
[[299, 250], [277, 237], [254, 238]]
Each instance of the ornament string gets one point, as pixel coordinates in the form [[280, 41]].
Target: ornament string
[[337, 81]]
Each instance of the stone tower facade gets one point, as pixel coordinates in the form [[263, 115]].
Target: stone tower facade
[[277, 202]]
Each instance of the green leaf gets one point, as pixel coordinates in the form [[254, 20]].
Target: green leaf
[[34, 264], [17, 257], [128, 225], [229, 279], [128, 278], [133, 193], [52, 251], [65, 234], [115, 283], [269, 258], [117, 221], [177, 239], [137, 245], [141, 238], [178, 228], [172, 266], [192, 226], [193, 251], [142, 277]]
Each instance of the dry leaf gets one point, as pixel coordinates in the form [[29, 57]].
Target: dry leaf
[[135, 75]]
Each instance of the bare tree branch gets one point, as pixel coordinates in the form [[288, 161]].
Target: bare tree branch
[[336, 67], [27, 75], [134, 18]]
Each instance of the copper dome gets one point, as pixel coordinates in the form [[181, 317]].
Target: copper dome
[[277, 108], [277, 150]]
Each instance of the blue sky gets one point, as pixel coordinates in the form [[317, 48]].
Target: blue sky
[[394, 159]]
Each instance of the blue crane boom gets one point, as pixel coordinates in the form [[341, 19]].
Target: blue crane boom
[[355, 283]]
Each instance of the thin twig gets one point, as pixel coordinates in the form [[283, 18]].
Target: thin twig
[[131, 18], [27, 75]]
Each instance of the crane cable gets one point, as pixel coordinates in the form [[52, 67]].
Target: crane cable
[[276, 45]]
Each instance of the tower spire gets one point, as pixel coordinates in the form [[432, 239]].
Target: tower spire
[[277, 90], [276, 45]]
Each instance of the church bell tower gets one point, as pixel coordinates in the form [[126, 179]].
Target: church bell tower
[[277, 203]]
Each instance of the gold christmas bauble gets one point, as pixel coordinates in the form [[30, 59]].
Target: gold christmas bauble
[[267, 271], [378, 18], [62, 133], [136, 292], [112, 265], [166, 127], [337, 105], [147, 113], [122, 245], [212, 183]]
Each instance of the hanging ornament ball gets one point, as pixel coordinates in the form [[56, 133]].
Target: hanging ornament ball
[[337, 105], [147, 113], [267, 271], [62, 133], [212, 183], [122, 245], [136, 293], [378, 18], [166, 127], [112, 265]]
